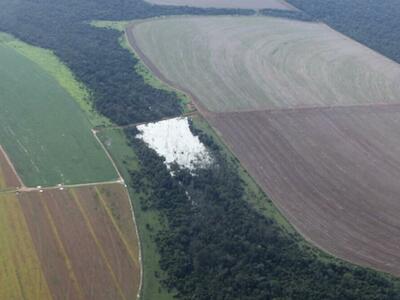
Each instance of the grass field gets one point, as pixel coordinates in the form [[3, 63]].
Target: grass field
[[71, 244], [251, 63], [43, 130], [54, 67], [250, 4]]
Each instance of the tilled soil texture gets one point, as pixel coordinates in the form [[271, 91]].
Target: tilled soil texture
[[8, 176], [333, 172], [249, 4], [85, 240], [257, 63]]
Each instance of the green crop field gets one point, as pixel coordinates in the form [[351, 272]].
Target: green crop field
[[252, 63], [42, 127]]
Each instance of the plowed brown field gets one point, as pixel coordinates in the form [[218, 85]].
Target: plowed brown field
[[333, 172], [311, 114], [82, 242], [8, 176]]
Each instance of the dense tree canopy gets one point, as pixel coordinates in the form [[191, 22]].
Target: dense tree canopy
[[214, 244], [93, 54], [373, 23]]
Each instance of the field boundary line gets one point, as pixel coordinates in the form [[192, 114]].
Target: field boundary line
[[102, 128], [10, 218], [98, 244], [132, 213], [109, 213], [108, 154], [8, 160], [63, 251], [139, 245], [35, 255], [61, 186], [316, 108], [202, 109], [156, 72]]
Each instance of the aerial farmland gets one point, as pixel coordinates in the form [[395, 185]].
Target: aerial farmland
[[66, 222], [253, 63], [43, 130], [75, 243], [312, 115], [199, 149]]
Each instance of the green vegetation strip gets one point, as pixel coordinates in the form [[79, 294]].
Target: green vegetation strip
[[42, 128], [52, 65], [140, 68], [149, 222]]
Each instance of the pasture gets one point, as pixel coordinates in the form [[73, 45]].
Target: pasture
[[69, 244], [253, 63], [249, 4], [333, 172], [45, 133]]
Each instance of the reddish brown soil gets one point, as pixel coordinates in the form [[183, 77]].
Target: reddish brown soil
[[116, 248], [51, 256], [7, 172], [83, 253], [334, 173]]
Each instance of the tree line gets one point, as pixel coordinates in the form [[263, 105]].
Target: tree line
[[214, 245]]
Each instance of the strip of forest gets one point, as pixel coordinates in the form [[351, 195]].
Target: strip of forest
[[214, 245]]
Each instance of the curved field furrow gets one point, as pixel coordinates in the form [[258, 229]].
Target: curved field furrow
[[333, 173], [249, 63], [250, 4]]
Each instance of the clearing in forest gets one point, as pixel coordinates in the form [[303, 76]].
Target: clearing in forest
[[252, 63], [69, 244], [249, 4], [43, 130]]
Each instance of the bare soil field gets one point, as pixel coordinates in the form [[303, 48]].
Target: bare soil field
[[251, 63], [84, 241], [250, 4], [333, 172], [8, 176]]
